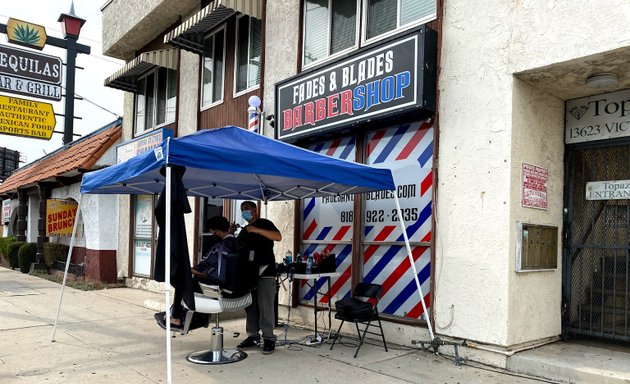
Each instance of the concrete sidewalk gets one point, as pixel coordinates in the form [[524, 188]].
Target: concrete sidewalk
[[109, 336]]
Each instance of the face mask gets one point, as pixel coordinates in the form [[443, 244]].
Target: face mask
[[247, 215]]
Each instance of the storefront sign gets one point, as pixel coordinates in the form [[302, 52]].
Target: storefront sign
[[21, 117], [608, 190], [142, 144], [387, 78], [32, 88], [60, 216], [30, 65], [6, 211], [598, 117], [535, 186], [27, 34]]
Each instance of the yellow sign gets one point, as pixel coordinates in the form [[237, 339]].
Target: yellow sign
[[27, 34], [21, 117], [60, 216]]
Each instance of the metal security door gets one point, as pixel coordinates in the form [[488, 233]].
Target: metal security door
[[596, 249]]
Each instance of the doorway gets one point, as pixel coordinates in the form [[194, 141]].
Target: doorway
[[596, 301]]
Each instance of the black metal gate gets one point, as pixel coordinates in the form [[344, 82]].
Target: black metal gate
[[596, 303]]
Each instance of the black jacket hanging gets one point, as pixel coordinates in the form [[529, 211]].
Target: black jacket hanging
[[181, 276]]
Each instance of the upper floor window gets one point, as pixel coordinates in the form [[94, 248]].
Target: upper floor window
[[213, 68], [248, 53], [156, 99], [330, 26]]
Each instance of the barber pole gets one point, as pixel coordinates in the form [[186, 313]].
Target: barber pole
[[253, 119]]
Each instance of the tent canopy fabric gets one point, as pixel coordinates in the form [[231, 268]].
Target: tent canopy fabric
[[233, 163]]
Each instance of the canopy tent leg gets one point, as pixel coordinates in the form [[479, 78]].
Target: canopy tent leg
[[167, 274], [413, 266], [65, 274]]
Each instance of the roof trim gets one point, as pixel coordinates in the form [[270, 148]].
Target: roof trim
[[189, 35], [126, 78]]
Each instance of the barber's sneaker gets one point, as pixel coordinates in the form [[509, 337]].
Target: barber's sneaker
[[268, 346], [250, 342]]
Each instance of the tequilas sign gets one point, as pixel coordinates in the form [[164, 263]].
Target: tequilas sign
[[598, 117], [30, 65], [21, 117], [388, 78]]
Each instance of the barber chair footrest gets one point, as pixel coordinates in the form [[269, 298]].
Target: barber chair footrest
[[216, 357]]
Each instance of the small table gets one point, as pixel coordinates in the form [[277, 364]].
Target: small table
[[317, 339]]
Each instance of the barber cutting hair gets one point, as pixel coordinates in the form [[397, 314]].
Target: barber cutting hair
[[256, 239]]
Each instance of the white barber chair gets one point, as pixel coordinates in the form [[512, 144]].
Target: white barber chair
[[232, 296]]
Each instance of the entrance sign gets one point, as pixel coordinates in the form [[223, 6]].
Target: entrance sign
[[392, 77], [25, 33], [598, 117], [27, 118], [534, 186], [30, 88], [60, 216], [30, 65], [608, 190]]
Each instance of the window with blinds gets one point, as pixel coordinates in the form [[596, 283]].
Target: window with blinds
[[155, 99], [331, 27], [248, 54], [213, 69]]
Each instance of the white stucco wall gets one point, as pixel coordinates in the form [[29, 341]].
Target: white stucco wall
[[32, 218], [538, 139], [472, 210], [547, 32]]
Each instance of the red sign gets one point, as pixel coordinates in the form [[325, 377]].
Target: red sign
[[534, 186]]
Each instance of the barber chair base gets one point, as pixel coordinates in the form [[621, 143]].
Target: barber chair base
[[216, 355]]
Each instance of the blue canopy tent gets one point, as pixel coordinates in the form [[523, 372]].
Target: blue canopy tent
[[233, 163]]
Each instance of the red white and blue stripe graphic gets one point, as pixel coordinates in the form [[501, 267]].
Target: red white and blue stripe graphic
[[323, 229], [408, 151]]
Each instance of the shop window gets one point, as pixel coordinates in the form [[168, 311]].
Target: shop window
[[385, 16], [210, 208], [156, 99], [213, 69], [408, 151], [331, 26], [327, 224], [248, 53], [143, 236]]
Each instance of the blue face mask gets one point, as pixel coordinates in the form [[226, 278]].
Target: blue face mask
[[247, 215]]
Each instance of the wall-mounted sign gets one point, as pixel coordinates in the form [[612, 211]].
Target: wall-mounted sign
[[608, 190], [392, 77], [60, 216], [142, 144], [25, 33], [534, 186], [598, 117], [21, 117], [30, 65], [30, 88], [6, 211]]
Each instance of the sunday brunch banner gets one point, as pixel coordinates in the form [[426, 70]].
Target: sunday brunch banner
[[390, 77], [60, 216]]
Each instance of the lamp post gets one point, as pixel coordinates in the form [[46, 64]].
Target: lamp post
[[71, 28]]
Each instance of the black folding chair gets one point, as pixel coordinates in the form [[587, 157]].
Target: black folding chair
[[361, 308]]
